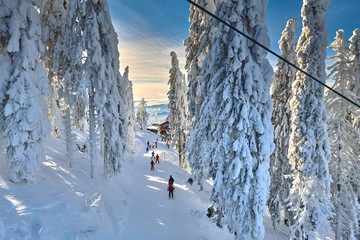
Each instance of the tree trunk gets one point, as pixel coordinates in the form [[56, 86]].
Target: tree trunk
[[102, 141], [106, 149], [92, 133], [338, 203], [68, 136]]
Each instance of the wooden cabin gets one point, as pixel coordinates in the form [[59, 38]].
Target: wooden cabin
[[159, 128]]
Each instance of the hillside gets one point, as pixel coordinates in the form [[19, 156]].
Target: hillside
[[63, 203]]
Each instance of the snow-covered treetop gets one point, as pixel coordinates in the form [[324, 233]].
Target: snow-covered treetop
[[288, 38], [315, 36], [355, 52], [355, 44]]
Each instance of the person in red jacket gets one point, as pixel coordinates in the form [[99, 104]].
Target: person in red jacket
[[157, 158], [152, 165], [171, 191]]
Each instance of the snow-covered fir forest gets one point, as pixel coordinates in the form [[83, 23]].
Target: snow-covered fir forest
[[259, 152]]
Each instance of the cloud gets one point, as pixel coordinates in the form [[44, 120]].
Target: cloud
[[148, 57]]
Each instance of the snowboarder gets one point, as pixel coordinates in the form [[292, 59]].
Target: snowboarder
[[157, 158], [152, 165], [171, 191], [171, 180]]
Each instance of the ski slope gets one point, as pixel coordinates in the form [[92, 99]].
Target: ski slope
[[64, 203]]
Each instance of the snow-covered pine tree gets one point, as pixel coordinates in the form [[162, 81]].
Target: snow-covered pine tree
[[196, 47], [94, 71], [25, 122], [105, 88], [141, 114], [235, 119], [309, 151], [355, 68], [344, 164], [52, 13], [68, 67], [281, 118], [112, 113], [177, 107], [129, 110]]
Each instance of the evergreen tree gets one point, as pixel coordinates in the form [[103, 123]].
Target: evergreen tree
[[105, 87], [52, 13], [235, 120], [176, 95], [94, 70], [68, 67], [111, 98], [141, 114], [355, 68], [308, 146], [201, 33], [281, 118], [23, 82], [196, 47], [129, 110], [344, 164]]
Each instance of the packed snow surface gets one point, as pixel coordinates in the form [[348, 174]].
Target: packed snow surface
[[64, 203]]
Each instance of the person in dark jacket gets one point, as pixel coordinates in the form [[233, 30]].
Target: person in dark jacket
[[171, 180]]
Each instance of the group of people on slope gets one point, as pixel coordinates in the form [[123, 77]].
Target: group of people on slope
[[151, 146], [156, 158], [171, 187], [167, 139]]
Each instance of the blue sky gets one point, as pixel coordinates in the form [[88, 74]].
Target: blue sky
[[148, 30]]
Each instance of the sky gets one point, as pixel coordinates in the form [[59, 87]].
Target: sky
[[148, 30]]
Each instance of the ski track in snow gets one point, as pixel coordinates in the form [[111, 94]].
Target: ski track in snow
[[164, 218], [64, 203]]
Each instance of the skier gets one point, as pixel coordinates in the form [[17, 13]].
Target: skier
[[171, 191], [171, 180], [153, 153], [157, 158], [152, 165], [147, 149], [148, 143]]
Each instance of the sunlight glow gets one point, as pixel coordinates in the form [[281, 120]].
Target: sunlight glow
[[156, 179], [148, 58], [155, 188], [3, 184], [19, 206]]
